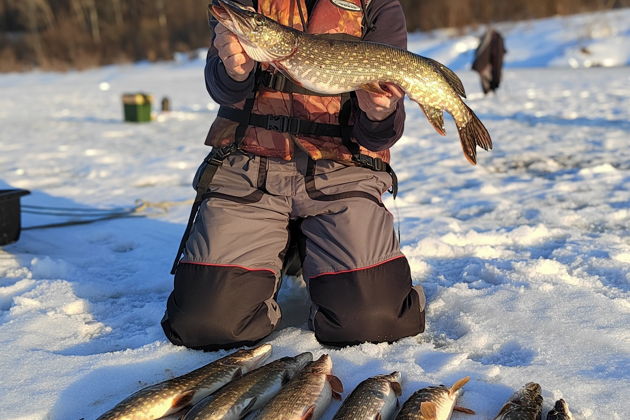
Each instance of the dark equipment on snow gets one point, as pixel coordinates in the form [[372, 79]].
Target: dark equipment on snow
[[137, 107], [10, 218], [166, 104], [489, 60]]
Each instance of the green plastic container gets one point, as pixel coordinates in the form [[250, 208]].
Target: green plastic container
[[137, 107]]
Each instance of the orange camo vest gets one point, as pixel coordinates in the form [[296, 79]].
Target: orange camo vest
[[325, 18]]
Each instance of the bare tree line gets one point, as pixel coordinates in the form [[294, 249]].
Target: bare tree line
[[431, 14], [59, 34]]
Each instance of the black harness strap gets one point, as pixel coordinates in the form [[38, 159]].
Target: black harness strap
[[315, 194], [375, 164], [296, 126], [211, 164], [367, 23], [281, 123], [279, 82]]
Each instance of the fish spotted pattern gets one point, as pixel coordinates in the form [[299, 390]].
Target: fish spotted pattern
[[307, 395], [433, 403], [374, 397], [335, 66], [171, 396], [250, 392], [525, 404]]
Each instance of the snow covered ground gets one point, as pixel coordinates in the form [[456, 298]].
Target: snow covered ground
[[525, 258], [588, 40]]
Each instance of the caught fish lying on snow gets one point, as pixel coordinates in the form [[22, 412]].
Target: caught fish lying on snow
[[335, 66], [307, 395], [433, 403], [250, 392], [560, 411], [375, 398], [525, 404], [171, 396]]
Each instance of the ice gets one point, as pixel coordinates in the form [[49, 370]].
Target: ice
[[525, 258]]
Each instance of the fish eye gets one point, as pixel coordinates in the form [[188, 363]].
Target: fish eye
[[259, 20]]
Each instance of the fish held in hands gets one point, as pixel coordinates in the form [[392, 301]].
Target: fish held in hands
[[333, 66]]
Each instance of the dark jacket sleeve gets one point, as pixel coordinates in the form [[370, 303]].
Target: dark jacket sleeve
[[389, 27], [222, 88]]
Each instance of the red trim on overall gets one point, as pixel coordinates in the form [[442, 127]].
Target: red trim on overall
[[229, 266], [358, 269]]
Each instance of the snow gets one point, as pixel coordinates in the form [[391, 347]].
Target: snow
[[582, 41], [525, 258]]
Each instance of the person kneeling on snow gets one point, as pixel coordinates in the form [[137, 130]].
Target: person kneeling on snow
[[282, 153]]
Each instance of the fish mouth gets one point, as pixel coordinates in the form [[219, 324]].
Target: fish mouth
[[304, 358], [396, 376], [323, 365], [232, 15]]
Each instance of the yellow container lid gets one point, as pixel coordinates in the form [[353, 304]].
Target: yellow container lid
[[137, 98]]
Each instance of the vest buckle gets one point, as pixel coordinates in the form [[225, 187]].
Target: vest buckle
[[283, 124], [277, 123], [274, 81], [369, 162]]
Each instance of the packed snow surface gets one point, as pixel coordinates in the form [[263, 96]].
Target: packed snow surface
[[525, 258]]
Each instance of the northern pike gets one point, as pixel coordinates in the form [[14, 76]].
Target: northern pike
[[433, 403], [168, 397], [307, 395], [333, 66], [525, 404], [560, 411], [250, 392], [375, 398]]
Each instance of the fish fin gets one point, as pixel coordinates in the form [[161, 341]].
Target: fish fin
[[504, 410], [285, 379], [453, 80], [335, 383], [473, 134], [428, 410], [378, 416], [282, 70], [308, 415], [182, 400], [374, 87], [435, 117], [463, 410], [397, 388], [249, 406], [458, 385], [238, 373], [336, 396]]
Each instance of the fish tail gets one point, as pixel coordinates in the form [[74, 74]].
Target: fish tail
[[459, 384], [473, 134]]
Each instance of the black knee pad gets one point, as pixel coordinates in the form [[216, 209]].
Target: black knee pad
[[217, 307], [376, 305]]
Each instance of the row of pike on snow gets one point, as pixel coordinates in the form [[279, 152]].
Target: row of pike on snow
[[300, 388]]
